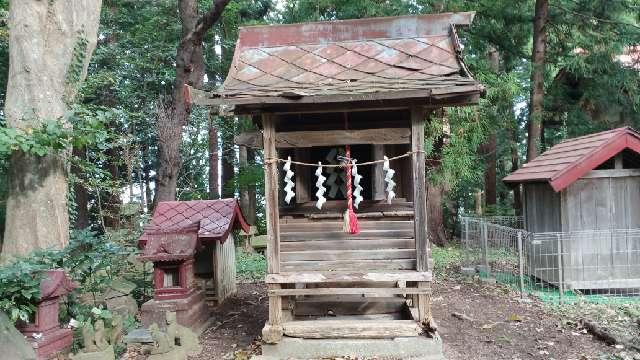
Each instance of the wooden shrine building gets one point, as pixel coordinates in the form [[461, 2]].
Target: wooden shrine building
[[586, 192], [361, 89], [191, 246]]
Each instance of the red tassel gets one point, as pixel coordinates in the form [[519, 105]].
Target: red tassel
[[353, 223]]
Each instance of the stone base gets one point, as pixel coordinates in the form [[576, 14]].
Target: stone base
[[52, 342], [414, 348], [191, 312]]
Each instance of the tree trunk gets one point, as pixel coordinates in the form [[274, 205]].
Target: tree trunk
[[50, 45], [214, 185], [489, 148], [536, 105], [435, 219], [189, 71], [81, 195], [515, 164], [113, 203], [228, 157]]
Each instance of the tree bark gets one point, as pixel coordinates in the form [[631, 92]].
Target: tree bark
[[50, 45], [536, 105], [81, 195], [435, 219], [515, 164], [214, 185], [228, 157], [189, 71], [489, 148]]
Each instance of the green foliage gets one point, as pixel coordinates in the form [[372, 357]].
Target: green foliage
[[90, 260], [446, 260], [250, 266]]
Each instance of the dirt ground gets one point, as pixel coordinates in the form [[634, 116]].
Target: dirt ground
[[496, 325]]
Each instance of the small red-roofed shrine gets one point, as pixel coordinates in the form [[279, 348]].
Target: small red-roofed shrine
[[586, 192], [44, 332], [191, 246]]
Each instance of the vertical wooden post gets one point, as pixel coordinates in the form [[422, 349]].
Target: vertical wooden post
[[419, 188], [520, 264], [302, 175], [377, 181], [420, 207], [272, 331]]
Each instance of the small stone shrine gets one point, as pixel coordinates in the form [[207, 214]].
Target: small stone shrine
[[176, 343], [193, 254], [44, 331]]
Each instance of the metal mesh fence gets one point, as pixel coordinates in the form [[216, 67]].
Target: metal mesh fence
[[592, 265]]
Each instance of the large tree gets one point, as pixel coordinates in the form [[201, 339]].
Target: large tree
[[189, 71], [536, 104], [50, 45]]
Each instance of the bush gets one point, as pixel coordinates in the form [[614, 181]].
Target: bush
[[90, 260], [250, 266]]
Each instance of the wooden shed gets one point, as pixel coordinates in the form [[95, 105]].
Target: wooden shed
[[584, 193], [360, 89], [192, 249]]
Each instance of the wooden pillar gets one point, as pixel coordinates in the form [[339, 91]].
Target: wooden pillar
[[272, 331], [302, 175], [419, 187], [377, 182], [418, 116]]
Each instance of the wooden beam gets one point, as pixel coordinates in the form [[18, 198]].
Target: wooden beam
[[305, 139], [271, 194], [347, 291], [337, 329], [332, 276], [419, 188]]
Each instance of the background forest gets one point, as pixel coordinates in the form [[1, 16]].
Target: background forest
[[133, 146]]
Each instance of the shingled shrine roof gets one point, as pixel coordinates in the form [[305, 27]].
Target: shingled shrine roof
[[349, 60], [567, 161], [177, 228]]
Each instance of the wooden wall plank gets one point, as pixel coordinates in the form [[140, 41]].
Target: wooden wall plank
[[302, 176], [341, 235], [330, 255], [370, 244], [225, 268], [349, 265]]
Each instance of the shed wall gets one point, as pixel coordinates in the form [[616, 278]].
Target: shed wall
[[542, 208], [602, 203]]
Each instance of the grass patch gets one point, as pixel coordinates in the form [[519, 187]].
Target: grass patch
[[446, 260], [250, 266]]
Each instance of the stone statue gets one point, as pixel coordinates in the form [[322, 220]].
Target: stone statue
[[96, 346], [182, 336], [100, 335], [175, 344], [88, 337], [162, 343], [115, 336]]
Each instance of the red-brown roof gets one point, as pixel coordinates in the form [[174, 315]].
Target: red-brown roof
[[351, 57], [567, 161], [177, 228]]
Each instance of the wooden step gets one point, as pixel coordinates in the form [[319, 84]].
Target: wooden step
[[341, 235], [356, 329], [367, 244], [311, 277], [375, 291], [329, 255]]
